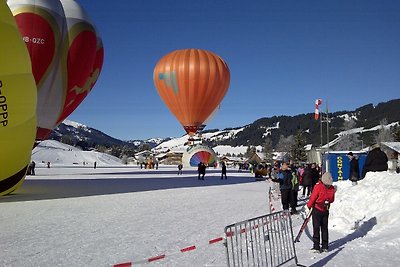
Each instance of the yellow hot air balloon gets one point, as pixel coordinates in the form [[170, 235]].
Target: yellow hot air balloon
[[17, 104], [192, 83]]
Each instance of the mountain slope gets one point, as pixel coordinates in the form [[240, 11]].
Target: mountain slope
[[255, 134]]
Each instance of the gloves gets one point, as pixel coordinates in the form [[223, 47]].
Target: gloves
[[305, 209]]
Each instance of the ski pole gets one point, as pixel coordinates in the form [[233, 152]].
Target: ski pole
[[303, 226]]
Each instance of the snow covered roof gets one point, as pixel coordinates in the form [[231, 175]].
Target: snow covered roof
[[393, 145]]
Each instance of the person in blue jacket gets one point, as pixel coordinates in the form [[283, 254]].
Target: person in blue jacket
[[284, 178]]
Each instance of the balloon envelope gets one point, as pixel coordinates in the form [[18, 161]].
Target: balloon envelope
[[192, 83], [17, 104], [64, 50], [199, 153]]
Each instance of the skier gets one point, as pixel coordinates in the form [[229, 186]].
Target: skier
[[354, 174], [321, 197]]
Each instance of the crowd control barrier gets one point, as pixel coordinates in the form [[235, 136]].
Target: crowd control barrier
[[262, 241]]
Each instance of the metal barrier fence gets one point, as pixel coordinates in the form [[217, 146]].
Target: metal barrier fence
[[263, 241]]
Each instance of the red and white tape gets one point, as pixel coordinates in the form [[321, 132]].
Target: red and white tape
[[271, 206], [163, 256]]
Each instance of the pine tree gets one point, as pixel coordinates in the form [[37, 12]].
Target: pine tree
[[298, 150], [250, 151], [268, 149], [396, 133], [349, 140], [285, 143], [384, 134]]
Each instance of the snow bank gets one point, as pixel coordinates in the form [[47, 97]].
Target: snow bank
[[58, 153], [375, 201]]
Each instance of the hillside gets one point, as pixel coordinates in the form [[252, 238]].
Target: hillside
[[366, 118]]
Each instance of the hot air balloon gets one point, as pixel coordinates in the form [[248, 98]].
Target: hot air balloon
[[66, 53], [17, 104], [192, 83], [199, 153]]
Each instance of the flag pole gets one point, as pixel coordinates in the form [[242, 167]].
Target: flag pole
[[327, 125], [320, 119]]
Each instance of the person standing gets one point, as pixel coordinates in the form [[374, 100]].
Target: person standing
[[180, 167], [223, 171], [32, 166], [321, 198], [284, 178], [295, 188], [199, 167], [315, 174], [354, 173], [376, 160], [307, 180], [203, 170]]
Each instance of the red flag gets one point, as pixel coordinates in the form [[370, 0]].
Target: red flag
[[317, 103]]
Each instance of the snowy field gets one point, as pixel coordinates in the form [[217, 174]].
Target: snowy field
[[80, 216]]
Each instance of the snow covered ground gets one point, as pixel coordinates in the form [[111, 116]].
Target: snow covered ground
[[72, 215]]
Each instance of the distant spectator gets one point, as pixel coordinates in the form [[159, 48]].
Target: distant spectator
[[180, 167], [32, 166], [354, 173], [201, 170], [29, 169], [315, 174], [95, 165], [223, 171], [48, 164], [295, 187], [307, 180], [376, 160]]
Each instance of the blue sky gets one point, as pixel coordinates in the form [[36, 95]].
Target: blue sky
[[282, 56]]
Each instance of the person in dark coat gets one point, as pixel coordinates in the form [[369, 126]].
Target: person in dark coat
[[223, 171], [307, 180], [32, 165], [354, 173], [201, 169], [284, 178], [375, 161], [315, 175], [180, 167]]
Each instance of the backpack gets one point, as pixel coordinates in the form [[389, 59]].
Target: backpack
[[295, 180]]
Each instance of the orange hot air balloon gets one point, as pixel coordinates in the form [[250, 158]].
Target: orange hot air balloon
[[192, 83]]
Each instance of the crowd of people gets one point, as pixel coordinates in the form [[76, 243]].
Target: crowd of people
[[318, 188]]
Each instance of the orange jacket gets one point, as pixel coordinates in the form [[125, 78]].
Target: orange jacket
[[319, 195]]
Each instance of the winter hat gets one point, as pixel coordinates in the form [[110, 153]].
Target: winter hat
[[350, 153], [327, 178]]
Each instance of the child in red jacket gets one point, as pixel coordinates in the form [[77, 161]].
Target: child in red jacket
[[322, 196]]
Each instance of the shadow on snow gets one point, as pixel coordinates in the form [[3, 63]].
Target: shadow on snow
[[40, 189], [340, 243]]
